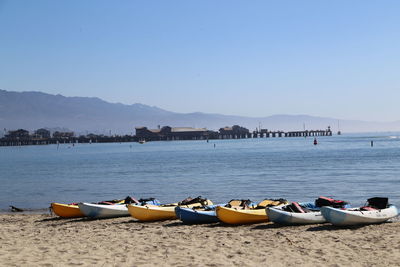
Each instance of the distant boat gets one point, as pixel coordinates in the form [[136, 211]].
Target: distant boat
[[142, 141]]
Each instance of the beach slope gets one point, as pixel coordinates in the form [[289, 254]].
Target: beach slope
[[43, 240]]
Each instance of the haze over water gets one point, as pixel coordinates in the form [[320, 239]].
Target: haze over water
[[344, 167]]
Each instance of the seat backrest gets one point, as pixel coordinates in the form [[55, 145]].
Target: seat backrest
[[378, 202], [234, 202], [199, 199], [130, 200], [294, 207]]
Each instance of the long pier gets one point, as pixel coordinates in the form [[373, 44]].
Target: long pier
[[272, 134], [207, 135]]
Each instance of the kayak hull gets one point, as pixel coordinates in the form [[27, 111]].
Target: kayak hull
[[149, 213], [233, 216], [66, 210], [98, 211], [356, 217], [280, 216], [193, 216]]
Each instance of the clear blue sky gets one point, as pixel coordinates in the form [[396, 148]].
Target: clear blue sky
[[254, 58]]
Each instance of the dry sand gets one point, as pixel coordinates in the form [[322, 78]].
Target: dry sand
[[43, 240]]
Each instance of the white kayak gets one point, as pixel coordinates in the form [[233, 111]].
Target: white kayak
[[357, 216], [280, 216], [98, 211]]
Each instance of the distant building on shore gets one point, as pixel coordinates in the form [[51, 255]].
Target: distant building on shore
[[235, 132], [19, 134], [173, 133], [42, 133], [42, 136], [189, 133]]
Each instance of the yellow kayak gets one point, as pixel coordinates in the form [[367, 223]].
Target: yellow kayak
[[245, 214], [148, 213], [66, 210]]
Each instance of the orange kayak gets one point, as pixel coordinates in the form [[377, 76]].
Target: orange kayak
[[66, 210]]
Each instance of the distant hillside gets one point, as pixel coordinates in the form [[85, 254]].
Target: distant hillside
[[33, 110]]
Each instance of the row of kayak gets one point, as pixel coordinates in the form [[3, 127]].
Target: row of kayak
[[120, 208], [200, 210]]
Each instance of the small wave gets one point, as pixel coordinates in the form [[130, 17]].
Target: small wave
[[26, 211]]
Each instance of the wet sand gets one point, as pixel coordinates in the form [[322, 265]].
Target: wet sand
[[44, 240]]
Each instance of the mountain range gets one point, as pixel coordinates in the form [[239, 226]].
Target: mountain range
[[33, 110]]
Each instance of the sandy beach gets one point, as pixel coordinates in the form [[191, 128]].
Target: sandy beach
[[44, 240]]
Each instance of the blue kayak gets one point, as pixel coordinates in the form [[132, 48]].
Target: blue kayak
[[196, 216], [206, 214]]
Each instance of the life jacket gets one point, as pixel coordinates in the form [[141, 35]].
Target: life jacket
[[239, 203], [270, 203], [325, 201]]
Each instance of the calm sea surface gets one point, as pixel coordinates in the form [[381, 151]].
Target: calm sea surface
[[345, 167]]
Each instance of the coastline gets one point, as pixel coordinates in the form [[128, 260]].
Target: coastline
[[42, 239]]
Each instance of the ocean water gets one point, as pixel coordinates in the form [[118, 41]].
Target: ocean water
[[344, 167]]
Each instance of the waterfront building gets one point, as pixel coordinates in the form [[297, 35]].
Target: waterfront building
[[235, 132], [19, 134], [172, 133], [42, 133]]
